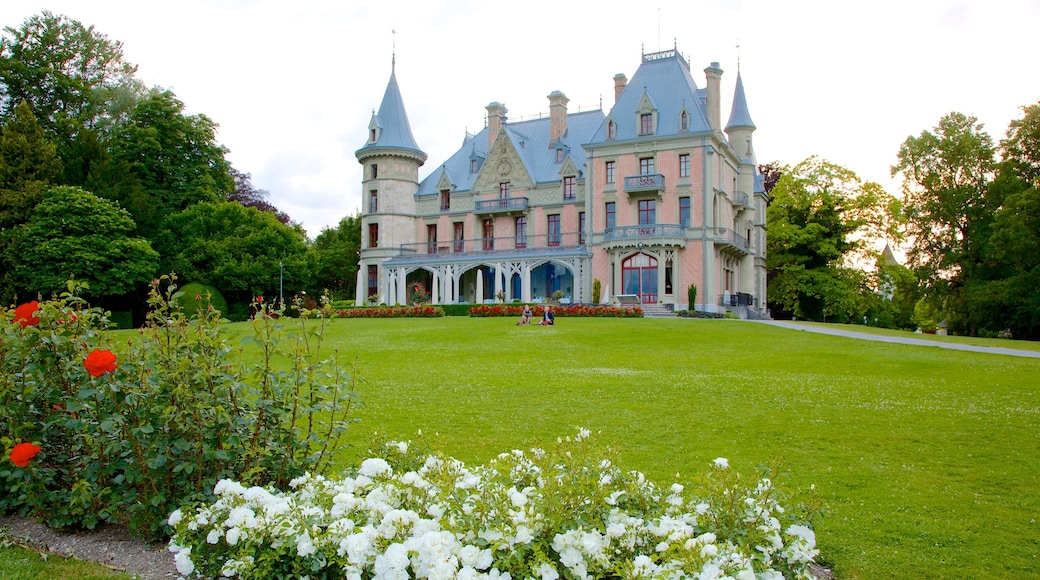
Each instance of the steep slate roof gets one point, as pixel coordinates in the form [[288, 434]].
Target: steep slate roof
[[739, 115], [667, 83], [394, 130], [531, 141]]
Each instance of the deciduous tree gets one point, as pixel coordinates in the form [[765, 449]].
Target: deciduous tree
[[334, 256]]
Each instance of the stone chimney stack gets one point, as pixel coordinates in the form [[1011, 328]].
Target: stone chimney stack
[[620, 82], [714, 95], [496, 118], [557, 116]]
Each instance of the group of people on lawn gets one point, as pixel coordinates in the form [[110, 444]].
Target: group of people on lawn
[[547, 316]]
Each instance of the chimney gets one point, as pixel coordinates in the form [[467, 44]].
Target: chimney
[[496, 118], [620, 82], [557, 116], [714, 95]]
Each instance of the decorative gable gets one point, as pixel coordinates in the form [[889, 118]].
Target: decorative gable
[[503, 164], [444, 183], [646, 116], [568, 168]]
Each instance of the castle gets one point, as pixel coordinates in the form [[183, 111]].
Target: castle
[[648, 199]]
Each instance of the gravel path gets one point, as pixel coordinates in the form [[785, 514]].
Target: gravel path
[[899, 339], [109, 545]]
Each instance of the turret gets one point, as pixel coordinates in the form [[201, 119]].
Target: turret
[[740, 126]]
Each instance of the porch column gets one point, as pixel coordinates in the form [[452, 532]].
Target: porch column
[[525, 282], [401, 287], [498, 279], [359, 290], [434, 279]]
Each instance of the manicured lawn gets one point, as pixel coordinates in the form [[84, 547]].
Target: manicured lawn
[[18, 563], [928, 460]]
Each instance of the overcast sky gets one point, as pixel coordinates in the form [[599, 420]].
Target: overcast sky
[[293, 84]]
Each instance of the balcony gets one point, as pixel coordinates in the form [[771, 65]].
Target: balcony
[[449, 250], [732, 242], [739, 199], [653, 183], [508, 205], [648, 234]]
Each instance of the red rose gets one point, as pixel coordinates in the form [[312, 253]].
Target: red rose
[[23, 452], [100, 362], [26, 314]]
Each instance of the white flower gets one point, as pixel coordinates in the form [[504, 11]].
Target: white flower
[[374, 467], [545, 571], [213, 536], [583, 434], [804, 533], [233, 536], [721, 463], [175, 518], [518, 498], [304, 545], [183, 561], [523, 535], [402, 446], [677, 488]]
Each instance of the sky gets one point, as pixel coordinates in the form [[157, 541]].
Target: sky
[[292, 85]]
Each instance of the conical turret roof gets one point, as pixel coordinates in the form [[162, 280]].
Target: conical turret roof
[[391, 124], [739, 115]]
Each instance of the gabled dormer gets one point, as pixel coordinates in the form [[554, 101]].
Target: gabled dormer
[[646, 116], [476, 160]]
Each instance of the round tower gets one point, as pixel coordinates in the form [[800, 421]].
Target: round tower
[[390, 159]]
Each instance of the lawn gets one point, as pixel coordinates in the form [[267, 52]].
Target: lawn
[[928, 460]]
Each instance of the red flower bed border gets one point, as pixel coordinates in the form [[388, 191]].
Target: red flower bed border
[[574, 311], [425, 311]]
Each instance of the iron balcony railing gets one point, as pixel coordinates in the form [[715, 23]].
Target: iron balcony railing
[[512, 244], [500, 204], [651, 182], [738, 299], [731, 238], [649, 231], [739, 198]]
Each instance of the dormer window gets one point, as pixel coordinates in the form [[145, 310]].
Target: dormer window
[[611, 130], [372, 135], [684, 122], [473, 165], [646, 124], [559, 155]]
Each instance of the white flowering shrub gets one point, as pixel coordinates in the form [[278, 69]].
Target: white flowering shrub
[[567, 513]]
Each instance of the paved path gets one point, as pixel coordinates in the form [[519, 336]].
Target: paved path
[[899, 339]]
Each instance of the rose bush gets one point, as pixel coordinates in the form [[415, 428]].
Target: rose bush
[[415, 311], [129, 431], [574, 311], [566, 513]]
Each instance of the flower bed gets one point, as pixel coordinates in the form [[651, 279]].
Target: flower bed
[[578, 310], [564, 513], [424, 311]]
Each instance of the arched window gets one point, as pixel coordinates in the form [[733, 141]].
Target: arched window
[[611, 130], [639, 277]]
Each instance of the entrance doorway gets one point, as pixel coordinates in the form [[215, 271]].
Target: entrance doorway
[[639, 277]]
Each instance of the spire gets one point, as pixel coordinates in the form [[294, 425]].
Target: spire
[[389, 128], [739, 115]]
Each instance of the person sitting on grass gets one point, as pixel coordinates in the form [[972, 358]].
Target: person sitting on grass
[[547, 316], [525, 318]]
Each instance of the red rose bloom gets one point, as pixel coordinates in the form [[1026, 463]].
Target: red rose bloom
[[23, 452], [26, 314], [100, 362]]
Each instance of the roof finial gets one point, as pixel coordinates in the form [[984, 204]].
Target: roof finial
[[738, 56], [393, 51]]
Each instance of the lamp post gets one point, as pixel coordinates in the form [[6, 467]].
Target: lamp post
[[281, 301]]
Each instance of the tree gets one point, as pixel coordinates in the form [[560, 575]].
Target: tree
[[163, 161], [1021, 147], [236, 249], [335, 255], [250, 196], [74, 233], [823, 223], [947, 206], [65, 72]]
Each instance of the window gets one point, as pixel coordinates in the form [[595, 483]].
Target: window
[[610, 171], [473, 165], [554, 229], [646, 166], [684, 165], [503, 190], [431, 238], [373, 235], [445, 200], [521, 232], [375, 171], [647, 212], [610, 215], [458, 236], [489, 234], [372, 135], [568, 187], [611, 130], [684, 122], [373, 280], [684, 212], [646, 124], [559, 155], [581, 227], [373, 201]]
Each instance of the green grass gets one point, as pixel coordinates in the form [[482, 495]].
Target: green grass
[[18, 563], [969, 340], [928, 459]]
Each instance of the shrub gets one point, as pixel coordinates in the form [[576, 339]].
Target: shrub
[[597, 290], [691, 296], [699, 314], [415, 311], [129, 431], [456, 309], [569, 512], [194, 297]]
